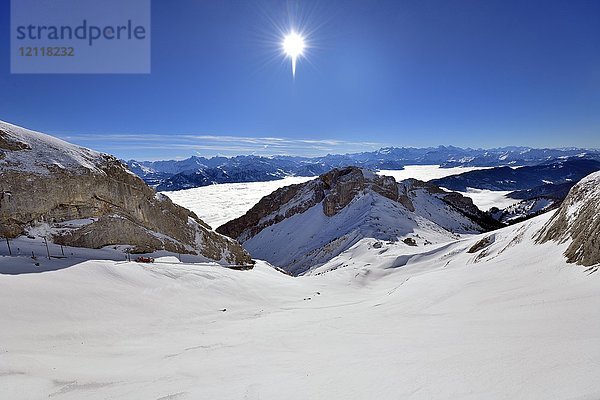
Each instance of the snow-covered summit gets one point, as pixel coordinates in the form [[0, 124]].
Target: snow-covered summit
[[35, 152], [302, 226]]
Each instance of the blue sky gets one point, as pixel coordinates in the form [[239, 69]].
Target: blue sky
[[378, 73]]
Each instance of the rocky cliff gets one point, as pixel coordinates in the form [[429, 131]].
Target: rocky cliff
[[302, 226], [577, 221], [44, 180]]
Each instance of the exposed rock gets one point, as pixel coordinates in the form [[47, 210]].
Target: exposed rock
[[457, 201], [410, 241], [50, 181], [344, 184], [302, 226], [524, 210], [578, 221], [298, 199], [482, 244], [7, 142]]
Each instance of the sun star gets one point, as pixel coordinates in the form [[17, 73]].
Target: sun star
[[293, 47]]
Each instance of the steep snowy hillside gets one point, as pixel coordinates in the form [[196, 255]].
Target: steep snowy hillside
[[493, 316], [304, 225], [79, 197], [577, 222]]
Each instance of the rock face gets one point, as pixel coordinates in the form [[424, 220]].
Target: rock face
[[302, 226], [334, 190], [578, 220], [46, 180], [462, 204], [343, 185]]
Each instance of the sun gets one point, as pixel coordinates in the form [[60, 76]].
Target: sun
[[293, 46]]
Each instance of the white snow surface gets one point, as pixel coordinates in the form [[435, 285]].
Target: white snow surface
[[304, 241], [46, 151], [511, 321]]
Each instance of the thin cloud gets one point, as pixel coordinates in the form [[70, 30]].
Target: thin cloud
[[136, 145]]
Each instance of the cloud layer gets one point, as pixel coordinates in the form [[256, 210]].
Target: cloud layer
[[152, 146]]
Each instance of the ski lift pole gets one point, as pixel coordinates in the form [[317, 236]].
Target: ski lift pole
[[8, 244], [47, 249]]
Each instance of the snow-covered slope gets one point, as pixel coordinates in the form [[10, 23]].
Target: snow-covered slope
[[512, 320], [39, 153], [302, 226]]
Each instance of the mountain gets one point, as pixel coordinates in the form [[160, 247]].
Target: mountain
[[577, 222], [548, 190], [79, 197], [200, 171], [300, 227], [523, 178], [236, 169]]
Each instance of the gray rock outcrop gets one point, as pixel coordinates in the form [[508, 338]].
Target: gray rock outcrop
[[46, 180], [578, 221]]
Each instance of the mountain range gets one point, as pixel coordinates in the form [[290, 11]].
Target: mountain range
[[200, 171]]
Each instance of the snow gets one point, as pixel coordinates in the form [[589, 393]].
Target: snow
[[525, 208], [217, 204], [484, 199], [388, 323], [46, 152], [304, 241], [591, 186]]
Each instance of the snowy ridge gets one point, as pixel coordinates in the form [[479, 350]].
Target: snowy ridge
[[220, 203], [39, 153], [301, 227]]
